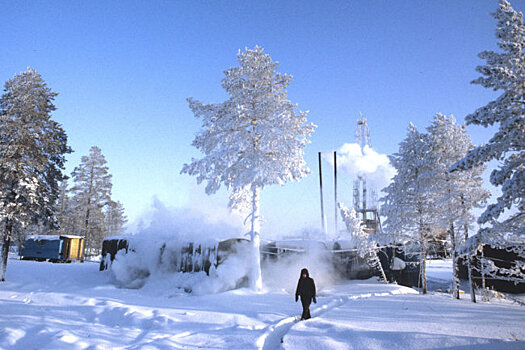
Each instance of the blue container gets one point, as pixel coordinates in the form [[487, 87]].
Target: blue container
[[42, 248]]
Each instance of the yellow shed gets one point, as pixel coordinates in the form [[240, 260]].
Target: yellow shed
[[72, 247]]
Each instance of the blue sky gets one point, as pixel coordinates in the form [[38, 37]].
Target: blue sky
[[123, 71]]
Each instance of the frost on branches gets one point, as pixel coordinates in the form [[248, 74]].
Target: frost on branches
[[409, 204], [32, 149], [91, 193], [253, 139], [457, 192], [504, 71], [365, 243]]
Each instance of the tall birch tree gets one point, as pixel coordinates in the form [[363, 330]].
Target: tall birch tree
[[252, 140]]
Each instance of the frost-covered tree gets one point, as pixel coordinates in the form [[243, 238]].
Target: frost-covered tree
[[64, 209], [504, 71], [91, 193], [365, 243], [409, 203], [252, 140], [115, 219], [458, 192], [32, 153]]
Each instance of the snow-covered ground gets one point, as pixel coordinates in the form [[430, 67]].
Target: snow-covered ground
[[74, 306]]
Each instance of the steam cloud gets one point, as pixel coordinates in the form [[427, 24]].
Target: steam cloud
[[353, 160], [191, 224]]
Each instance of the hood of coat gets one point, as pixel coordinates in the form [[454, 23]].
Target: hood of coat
[[304, 271]]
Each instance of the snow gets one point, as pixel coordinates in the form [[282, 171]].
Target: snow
[[74, 306], [398, 264], [71, 236], [43, 238]]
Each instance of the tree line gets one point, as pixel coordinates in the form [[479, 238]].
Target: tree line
[[34, 194]]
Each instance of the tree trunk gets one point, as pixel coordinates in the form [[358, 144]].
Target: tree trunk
[[470, 280], [423, 260], [469, 268], [88, 208], [5, 249], [86, 231], [483, 282], [424, 267], [423, 264], [255, 276], [455, 277]]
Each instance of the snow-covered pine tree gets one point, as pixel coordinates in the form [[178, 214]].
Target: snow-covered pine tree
[[504, 71], [91, 193], [458, 192], [64, 209], [32, 150], [409, 204], [365, 243], [115, 219], [253, 139]]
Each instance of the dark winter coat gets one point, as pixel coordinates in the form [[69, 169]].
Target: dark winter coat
[[305, 288]]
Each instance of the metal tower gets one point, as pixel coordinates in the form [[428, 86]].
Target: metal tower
[[365, 211]]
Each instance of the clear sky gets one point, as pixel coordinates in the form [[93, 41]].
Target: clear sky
[[123, 71]]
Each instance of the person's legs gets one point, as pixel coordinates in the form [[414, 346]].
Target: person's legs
[[306, 309]]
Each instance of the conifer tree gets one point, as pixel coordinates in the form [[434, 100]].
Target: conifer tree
[[115, 219], [253, 139], [457, 192], [32, 153], [64, 209], [504, 71], [409, 203], [91, 193]]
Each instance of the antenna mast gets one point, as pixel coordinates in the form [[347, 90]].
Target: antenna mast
[[362, 136]]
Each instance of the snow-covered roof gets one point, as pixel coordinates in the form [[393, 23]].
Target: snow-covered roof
[[42, 237], [71, 236], [115, 238]]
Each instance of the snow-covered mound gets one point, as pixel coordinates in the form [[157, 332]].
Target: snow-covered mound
[[209, 266]]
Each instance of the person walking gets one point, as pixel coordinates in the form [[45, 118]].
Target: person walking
[[305, 290]]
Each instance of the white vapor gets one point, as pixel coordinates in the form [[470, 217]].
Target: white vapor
[[353, 160], [191, 224]]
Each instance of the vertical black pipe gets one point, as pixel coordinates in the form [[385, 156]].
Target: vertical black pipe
[[321, 189]]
